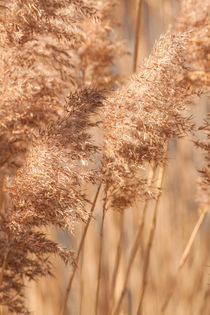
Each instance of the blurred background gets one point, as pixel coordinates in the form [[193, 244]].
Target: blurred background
[[187, 290]]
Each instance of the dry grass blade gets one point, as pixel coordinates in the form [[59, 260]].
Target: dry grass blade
[[131, 260], [151, 235], [203, 201], [183, 260], [137, 34], [82, 283], [134, 249], [117, 263], [100, 252], [68, 290], [3, 267], [192, 238]]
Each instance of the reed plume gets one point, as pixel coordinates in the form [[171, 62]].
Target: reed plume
[[97, 67], [38, 61], [47, 191], [102, 47], [57, 76], [24, 254], [44, 136], [194, 17], [142, 116]]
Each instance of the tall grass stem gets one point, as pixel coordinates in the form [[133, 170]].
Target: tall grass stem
[[151, 234], [100, 253], [117, 263], [192, 238], [137, 32], [3, 267], [63, 308], [134, 248]]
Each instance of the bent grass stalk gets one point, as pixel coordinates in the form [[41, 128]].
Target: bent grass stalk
[[63, 308], [118, 254], [192, 238], [2, 274], [131, 260], [205, 301], [134, 249], [117, 263], [3, 267], [81, 280], [138, 21], [184, 257], [151, 235], [100, 252]]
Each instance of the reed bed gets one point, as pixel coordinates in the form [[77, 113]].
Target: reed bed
[[104, 157]]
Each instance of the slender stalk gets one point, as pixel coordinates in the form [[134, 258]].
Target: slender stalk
[[2, 274], [151, 239], [117, 263], [191, 239], [184, 258], [131, 260], [138, 236], [81, 280], [134, 249], [204, 305], [100, 253], [3, 267], [137, 32], [168, 298], [63, 308]]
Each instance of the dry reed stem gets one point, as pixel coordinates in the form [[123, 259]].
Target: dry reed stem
[[152, 234], [134, 249], [135, 62], [100, 252], [78, 253], [138, 21], [1, 193], [3, 267], [117, 263], [184, 258], [168, 298], [192, 238], [81, 280], [205, 300], [118, 255]]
